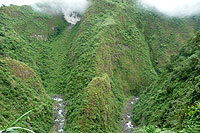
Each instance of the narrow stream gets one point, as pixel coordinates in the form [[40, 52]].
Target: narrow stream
[[127, 116], [59, 114]]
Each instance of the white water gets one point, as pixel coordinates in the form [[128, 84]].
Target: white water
[[128, 126], [59, 114], [57, 99]]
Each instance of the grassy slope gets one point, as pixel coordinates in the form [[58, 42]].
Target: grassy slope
[[166, 103]]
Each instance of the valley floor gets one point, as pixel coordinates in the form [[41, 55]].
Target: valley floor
[[56, 54], [55, 62], [59, 114]]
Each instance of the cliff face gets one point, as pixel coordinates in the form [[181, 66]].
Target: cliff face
[[114, 52]]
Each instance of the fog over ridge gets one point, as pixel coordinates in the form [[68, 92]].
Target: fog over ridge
[[177, 8]]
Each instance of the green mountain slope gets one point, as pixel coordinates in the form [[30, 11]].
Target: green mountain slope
[[164, 35], [24, 34], [104, 45], [116, 51], [21, 90], [109, 42], [173, 100]]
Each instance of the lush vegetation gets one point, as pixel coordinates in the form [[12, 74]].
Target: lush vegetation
[[108, 41], [173, 100], [25, 35], [164, 35], [115, 52], [103, 45], [21, 90]]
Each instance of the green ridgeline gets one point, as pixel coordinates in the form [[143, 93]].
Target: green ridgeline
[[101, 55], [116, 51], [109, 42]]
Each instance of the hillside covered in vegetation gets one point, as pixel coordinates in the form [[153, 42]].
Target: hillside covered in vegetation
[[172, 101], [117, 50], [20, 90]]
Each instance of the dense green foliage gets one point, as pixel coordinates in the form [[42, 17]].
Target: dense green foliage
[[113, 53], [109, 41], [20, 90], [173, 100], [25, 34], [103, 45], [164, 35]]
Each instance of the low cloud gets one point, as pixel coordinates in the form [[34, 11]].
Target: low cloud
[[71, 9], [177, 8]]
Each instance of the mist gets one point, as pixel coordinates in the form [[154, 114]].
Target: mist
[[71, 9], [174, 8]]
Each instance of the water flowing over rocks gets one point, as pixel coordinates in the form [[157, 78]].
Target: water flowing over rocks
[[127, 125], [59, 114]]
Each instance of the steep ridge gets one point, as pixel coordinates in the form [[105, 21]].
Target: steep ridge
[[109, 53], [96, 66], [100, 66]]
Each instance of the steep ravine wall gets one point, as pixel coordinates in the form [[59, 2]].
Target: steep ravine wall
[[108, 59], [101, 61]]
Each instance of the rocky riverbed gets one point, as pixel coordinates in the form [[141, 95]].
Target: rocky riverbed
[[59, 114], [128, 126]]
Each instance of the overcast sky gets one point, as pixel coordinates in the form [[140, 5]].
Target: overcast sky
[[18, 2], [174, 7]]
